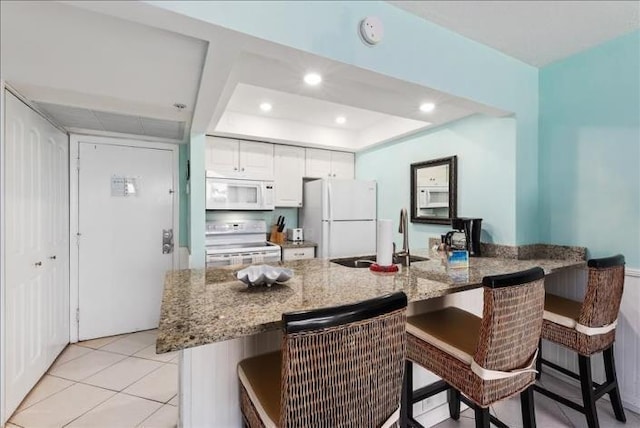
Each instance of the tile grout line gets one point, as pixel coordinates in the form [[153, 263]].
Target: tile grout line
[[79, 416], [40, 401], [122, 390]]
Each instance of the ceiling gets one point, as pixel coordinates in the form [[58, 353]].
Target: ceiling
[[80, 62], [377, 108], [119, 68], [535, 32]]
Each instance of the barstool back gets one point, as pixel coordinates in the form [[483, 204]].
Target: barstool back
[[343, 366], [510, 330], [601, 303]]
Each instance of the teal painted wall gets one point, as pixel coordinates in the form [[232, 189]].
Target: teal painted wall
[[184, 197], [590, 150], [197, 193], [485, 148], [414, 50]]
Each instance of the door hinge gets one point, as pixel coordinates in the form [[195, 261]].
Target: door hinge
[[78, 239], [77, 315], [78, 164]]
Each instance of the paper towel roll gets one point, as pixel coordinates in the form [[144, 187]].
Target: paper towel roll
[[384, 244]]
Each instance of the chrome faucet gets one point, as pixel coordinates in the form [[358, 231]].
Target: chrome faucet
[[404, 229]]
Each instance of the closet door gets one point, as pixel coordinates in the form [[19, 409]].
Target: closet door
[[36, 284]]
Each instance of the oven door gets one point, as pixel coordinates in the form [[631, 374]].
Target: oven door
[[230, 194]]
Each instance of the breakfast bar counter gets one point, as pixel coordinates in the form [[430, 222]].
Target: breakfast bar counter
[[214, 320], [206, 306]]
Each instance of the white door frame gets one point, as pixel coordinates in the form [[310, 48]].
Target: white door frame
[[2, 256], [74, 202]]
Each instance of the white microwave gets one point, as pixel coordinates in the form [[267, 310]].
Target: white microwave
[[234, 194], [433, 197]]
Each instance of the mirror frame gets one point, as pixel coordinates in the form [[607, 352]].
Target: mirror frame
[[452, 161]]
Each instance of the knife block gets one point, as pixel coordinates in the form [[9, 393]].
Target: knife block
[[277, 237]]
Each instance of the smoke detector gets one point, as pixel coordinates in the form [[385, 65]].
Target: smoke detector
[[371, 30]]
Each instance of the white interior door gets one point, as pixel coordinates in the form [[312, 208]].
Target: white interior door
[[126, 200], [37, 248]]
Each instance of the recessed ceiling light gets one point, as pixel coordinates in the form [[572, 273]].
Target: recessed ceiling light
[[341, 119], [312, 79], [265, 107], [427, 107]]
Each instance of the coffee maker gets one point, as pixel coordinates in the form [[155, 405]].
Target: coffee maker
[[466, 235]]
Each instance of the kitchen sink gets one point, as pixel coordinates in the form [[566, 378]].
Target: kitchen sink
[[366, 261]]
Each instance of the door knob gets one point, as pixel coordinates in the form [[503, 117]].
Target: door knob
[[52, 257], [38, 264]]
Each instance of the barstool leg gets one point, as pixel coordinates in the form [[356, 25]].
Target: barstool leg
[[588, 396], [528, 409], [453, 396], [482, 417], [614, 395], [539, 361], [406, 406]]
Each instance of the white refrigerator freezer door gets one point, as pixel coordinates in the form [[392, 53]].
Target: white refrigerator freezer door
[[349, 200], [351, 238]]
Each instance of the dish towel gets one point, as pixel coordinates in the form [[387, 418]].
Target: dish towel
[[236, 260], [257, 258]]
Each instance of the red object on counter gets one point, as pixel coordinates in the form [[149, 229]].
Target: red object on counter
[[383, 269]]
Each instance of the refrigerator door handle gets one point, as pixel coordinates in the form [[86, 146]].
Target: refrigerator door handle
[[330, 207]]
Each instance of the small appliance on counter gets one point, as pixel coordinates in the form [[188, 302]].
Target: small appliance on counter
[[295, 235], [466, 235]]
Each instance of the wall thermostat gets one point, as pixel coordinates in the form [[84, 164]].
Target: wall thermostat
[[371, 30]]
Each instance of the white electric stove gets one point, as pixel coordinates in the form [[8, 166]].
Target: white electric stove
[[238, 243]]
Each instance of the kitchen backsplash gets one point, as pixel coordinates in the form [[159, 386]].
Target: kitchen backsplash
[[290, 215]]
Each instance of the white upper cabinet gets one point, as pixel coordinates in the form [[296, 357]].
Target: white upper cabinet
[[318, 163], [222, 156], [329, 164], [289, 164], [227, 157], [342, 165]]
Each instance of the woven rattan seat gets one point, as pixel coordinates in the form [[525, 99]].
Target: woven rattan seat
[[338, 367], [452, 330], [561, 311], [487, 359], [587, 328]]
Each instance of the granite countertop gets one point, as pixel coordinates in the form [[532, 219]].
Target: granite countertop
[[203, 306], [297, 244]]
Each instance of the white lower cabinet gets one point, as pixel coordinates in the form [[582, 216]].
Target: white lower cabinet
[[298, 253], [289, 164]]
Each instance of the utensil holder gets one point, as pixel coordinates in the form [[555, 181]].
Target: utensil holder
[[277, 237]]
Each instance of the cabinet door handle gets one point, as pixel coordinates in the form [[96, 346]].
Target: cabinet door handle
[[242, 169], [235, 168], [52, 257], [38, 264]]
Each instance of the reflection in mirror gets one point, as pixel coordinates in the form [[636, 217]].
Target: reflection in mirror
[[433, 191]]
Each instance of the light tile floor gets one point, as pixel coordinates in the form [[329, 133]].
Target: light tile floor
[[120, 382], [111, 382], [549, 414]]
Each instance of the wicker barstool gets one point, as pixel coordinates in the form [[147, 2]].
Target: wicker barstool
[[588, 328], [339, 367], [487, 359]]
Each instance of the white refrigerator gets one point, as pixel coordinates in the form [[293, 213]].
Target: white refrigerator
[[340, 216]]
